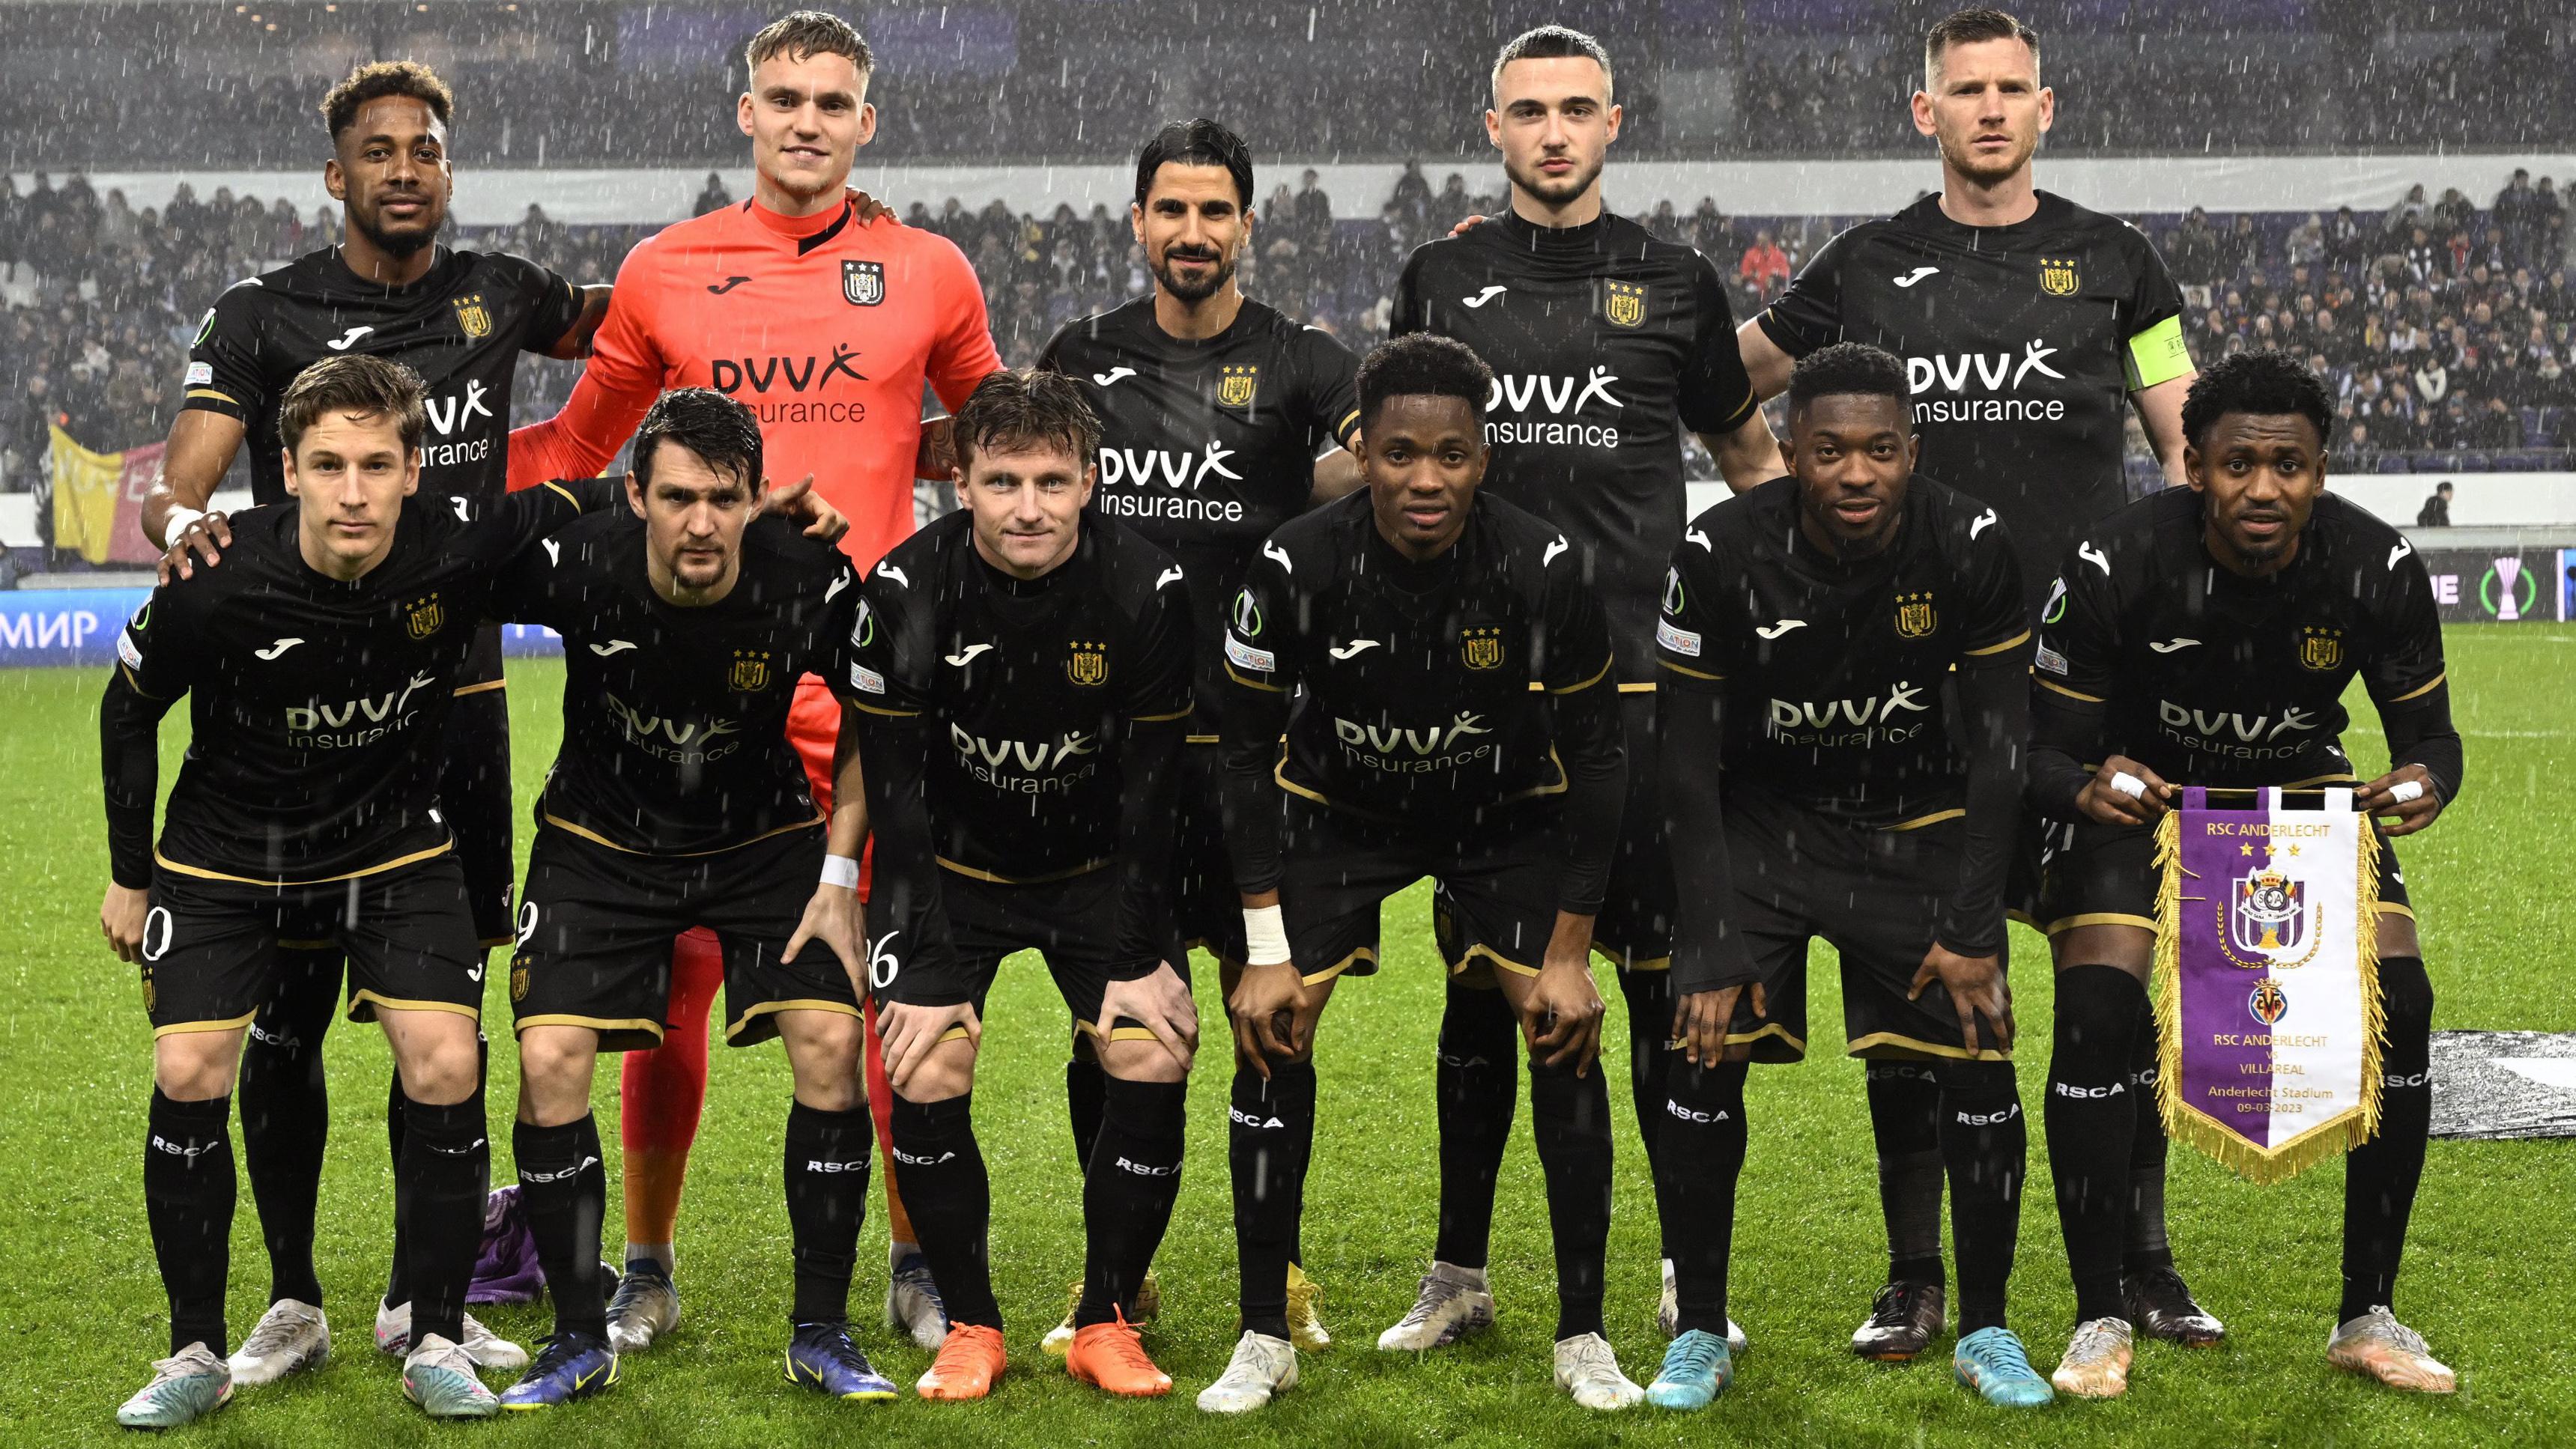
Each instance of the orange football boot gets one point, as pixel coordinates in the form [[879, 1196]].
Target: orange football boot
[[968, 1366], [1110, 1357]]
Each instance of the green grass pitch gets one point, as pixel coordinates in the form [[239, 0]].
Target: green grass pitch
[[81, 1307]]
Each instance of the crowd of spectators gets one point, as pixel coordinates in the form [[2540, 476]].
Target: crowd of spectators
[[2444, 327]]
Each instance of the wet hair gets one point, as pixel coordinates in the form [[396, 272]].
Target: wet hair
[[1848, 369], [722, 433], [1022, 406], [802, 34], [1973, 27], [2261, 383], [358, 383], [1196, 142], [1422, 364], [378, 79], [1553, 42]]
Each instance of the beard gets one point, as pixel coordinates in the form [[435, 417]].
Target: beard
[[396, 244], [1982, 170], [1169, 279], [1554, 193]]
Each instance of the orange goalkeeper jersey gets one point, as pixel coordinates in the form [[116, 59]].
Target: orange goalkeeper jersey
[[826, 327]]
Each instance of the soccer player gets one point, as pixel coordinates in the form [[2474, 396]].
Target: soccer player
[[459, 319], [1213, 409], [2252, 595], [1024, 667], [676, 801], [1607, 345], [2025, 321], [319, 658], [1818, 634], [811, 303], [1458, 721]]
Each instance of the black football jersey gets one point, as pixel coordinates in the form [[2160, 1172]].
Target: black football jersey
[[675, 718], [1029, 683], [1207, 446], [2210, 678], [1606, 345], [1833, 673], [1426, 686], [315, 706], [461, 327], [2021, 342]]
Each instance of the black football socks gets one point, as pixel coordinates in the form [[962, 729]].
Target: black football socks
[[1649, 998], [1270, 1134], [1570, 1117], [2380, 1175], [828, 1155], [564, 1188], [1703, 1122], [1985, 1142], [1477, 1087], [1127, 1194], [447, 1158], [949, 1197], [2090, 1121], [188, 1200], [2147, 1247], [1905, 1121], [286, 1118]]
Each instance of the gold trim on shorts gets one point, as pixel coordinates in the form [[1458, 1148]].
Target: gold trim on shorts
[[2099, 918], [771, 1008], [1767, 1029], [1490, 954], [233, 1024], [1917, 1044], [601, 1024], [395, 1003], [1364, 953]]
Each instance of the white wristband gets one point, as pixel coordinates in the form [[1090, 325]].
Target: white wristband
[[842, 871], [176, 522], [2405, 790], [2129, 785], [1265, 936]]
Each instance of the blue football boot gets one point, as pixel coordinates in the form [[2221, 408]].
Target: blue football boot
[[569, 1366], [822, 1358]]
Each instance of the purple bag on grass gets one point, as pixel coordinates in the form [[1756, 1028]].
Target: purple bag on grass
[[506, 1271]]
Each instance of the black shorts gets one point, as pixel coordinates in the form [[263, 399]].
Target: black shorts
[[1205, 903], [1073, 923], [1635, 928], [216, 951], [594, 941], [474, 786], [1496, 900], [2108, 877], [1874, 896]]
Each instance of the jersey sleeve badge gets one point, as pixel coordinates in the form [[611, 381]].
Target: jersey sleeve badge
[[1623, 304], [862, 283]]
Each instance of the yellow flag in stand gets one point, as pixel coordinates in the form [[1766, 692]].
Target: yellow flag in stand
[[85, 488]]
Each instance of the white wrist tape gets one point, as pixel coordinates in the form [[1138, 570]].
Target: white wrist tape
[[176, 523], [2129, 785], [1265, 936], [2405, 790], [842, 871]]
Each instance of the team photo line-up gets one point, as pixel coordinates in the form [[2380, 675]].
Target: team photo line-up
[[1438, 611]]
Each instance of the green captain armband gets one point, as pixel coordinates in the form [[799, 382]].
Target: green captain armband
[[2156, 355]]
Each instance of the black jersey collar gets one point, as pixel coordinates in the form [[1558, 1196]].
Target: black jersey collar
[[1926, 215], [1521, 232]]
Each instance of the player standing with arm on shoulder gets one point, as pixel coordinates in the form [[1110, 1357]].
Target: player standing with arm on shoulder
[[2027, 322], [317, 661], [812, 304], [1213, 408], [2255, 594], [1607, 346], [1819, 634], [460, 320]]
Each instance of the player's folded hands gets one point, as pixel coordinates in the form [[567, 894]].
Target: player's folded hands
[[1562, 1014], [1270, 1015]]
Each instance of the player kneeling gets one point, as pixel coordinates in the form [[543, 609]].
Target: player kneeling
[[1459, 722], [1817, 634], [1024, 669], [677, 802], [2253, 594]]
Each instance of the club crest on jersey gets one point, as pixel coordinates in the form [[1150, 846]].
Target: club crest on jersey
[[2267, 1002], [1481, 647], [1238, 385], [750, 671], [862, 283], [471, 317], [2320, 648], [1088, 663], [2057, 276], [426, 617], [151, 993], [1914, 616], [518, 978], [1623, 304]]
